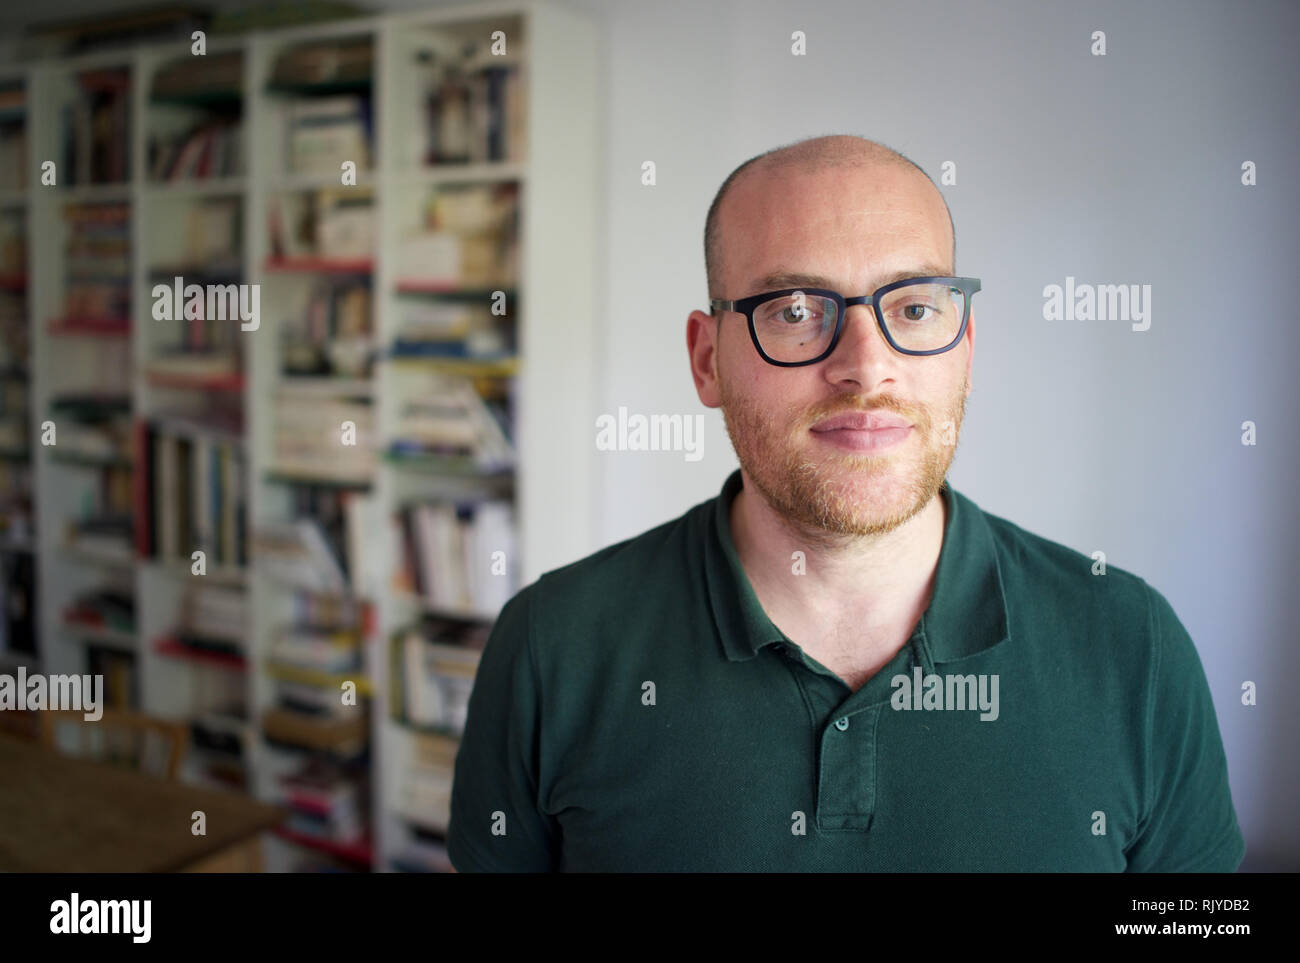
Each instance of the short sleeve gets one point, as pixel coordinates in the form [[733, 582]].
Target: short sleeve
[[1188, 822], [496, 825]]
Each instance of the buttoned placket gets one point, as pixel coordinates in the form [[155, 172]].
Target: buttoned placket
[[847, 723]]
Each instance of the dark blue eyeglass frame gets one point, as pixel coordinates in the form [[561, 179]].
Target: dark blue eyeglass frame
[[746, 306]]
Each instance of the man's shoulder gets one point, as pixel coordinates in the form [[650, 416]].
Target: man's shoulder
[[636, 568], [1040, 571]]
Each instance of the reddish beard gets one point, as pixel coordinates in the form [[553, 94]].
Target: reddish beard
[[843, 493]]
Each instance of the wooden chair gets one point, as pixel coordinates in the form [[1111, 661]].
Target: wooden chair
[[122, 737]]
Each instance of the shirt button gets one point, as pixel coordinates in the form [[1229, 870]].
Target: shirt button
[[842, 724]]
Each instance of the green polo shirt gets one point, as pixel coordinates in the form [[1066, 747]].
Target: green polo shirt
[[638, 711]]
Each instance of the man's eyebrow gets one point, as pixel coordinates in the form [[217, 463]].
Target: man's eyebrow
[[780, 280]]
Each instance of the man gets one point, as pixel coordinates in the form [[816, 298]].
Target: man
[[840, 663]]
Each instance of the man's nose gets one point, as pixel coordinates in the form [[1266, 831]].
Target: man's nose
[[862, 347]]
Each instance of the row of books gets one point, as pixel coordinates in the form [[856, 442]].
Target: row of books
[[325, 801], [13, 236], [96, 129], [108, 607], [106, 440], [317, 649], [219, 748], [92, 427], [210, 363], [460, 556], [433, 667], [424, 794], [319, 551], [198, 335], [13, 158], [193, 496], [97, 281], [344, 736], [13, 418], [104, 534], [212, 149], [121, 678], [330, 438], [213, 619], [336, 223], [448, 418], [324, 132], [333, 334], [432, 328], [210, 248], [470, 237]]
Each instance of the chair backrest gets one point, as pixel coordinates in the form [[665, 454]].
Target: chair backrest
[[120, 736]]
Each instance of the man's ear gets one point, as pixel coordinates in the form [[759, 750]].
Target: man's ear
[[702, 340]]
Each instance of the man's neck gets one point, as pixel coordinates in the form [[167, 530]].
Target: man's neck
[[879, 584]]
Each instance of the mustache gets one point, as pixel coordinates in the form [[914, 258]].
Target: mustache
[[914, 414]]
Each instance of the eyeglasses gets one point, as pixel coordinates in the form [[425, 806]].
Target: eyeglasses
[[918, 316]]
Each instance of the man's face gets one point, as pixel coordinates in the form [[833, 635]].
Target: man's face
[[859, 229]]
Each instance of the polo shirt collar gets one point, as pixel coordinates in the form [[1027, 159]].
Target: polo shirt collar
[[967, 611]]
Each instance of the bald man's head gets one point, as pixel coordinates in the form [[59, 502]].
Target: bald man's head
[[811, 155]]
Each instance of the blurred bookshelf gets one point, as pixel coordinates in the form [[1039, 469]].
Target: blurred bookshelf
[[18, 584], [397, 446]]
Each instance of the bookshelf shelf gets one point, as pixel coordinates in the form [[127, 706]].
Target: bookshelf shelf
[[228, 577], [286, 476], [326, 680], [320, 265], [90, 327], [316, 180], [470, 367], [449, 289], [95, 193], [327, 386], [220, 383], [361, 853], [446, 465], [169, 646], [197, 187], [435, 175]]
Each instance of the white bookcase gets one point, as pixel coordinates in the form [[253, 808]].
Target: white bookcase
[[553, 308]]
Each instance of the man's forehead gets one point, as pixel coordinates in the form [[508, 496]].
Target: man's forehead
[[901, 241]]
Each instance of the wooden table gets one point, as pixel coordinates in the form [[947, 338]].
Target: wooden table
[[66, 815]]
